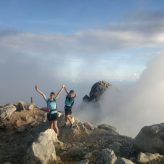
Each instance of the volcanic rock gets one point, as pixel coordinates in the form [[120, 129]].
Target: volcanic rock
[[97, 91]]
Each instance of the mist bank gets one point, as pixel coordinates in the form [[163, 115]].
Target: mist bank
[[132, 106]]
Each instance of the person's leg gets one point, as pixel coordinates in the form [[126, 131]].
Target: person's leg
[[66, 116], [72, 119], [69, 118], [52, 125], [55, 127], [66, 119]]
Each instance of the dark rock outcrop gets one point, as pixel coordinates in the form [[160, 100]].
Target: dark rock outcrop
[[97, 91]]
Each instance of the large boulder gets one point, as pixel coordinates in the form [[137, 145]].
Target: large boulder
[[43, 150], [150, 139], [6, 111], [97, 91]]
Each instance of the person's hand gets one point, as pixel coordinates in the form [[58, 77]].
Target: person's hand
[[36, 87]]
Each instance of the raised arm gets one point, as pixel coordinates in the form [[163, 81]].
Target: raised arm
[[57, 95], [65, 88], [40, 92]]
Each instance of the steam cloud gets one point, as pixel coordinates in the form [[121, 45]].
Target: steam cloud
[[135, 105]]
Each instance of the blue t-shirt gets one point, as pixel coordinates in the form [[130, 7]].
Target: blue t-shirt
[[51, 105]]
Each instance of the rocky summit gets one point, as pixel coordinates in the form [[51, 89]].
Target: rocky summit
[[27, 139]]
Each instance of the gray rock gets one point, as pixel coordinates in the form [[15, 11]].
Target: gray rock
[[21, 129], [6, 111], [116, 146], [106, 156], [77, 132], [29, 119], [109, 128], [22, 105], [86, 161], [3, 126], [88, 155], [43, 149], [88, 126], [127, 149], [148, 157], [86, 98], [97, 91], [123, 161], [7, 163], [105, 137], [76, 152], [150, 139]]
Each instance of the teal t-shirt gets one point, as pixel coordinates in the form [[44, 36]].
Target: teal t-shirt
[[51, 105], [69, 101]]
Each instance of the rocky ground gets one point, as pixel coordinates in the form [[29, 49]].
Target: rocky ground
[[26, 138], [17, 133]]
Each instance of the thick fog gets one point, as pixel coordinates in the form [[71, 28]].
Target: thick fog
[[134, 105]]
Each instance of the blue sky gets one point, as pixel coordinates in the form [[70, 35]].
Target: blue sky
[[69, 16], [77, 41]]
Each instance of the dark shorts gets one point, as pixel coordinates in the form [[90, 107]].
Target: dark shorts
[[68, 111], [52, 116]]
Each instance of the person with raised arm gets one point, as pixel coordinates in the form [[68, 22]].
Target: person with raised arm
[[52, 113], [69, 102]]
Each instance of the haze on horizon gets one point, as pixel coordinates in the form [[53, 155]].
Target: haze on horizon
[[77, 43], [131, 107]]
